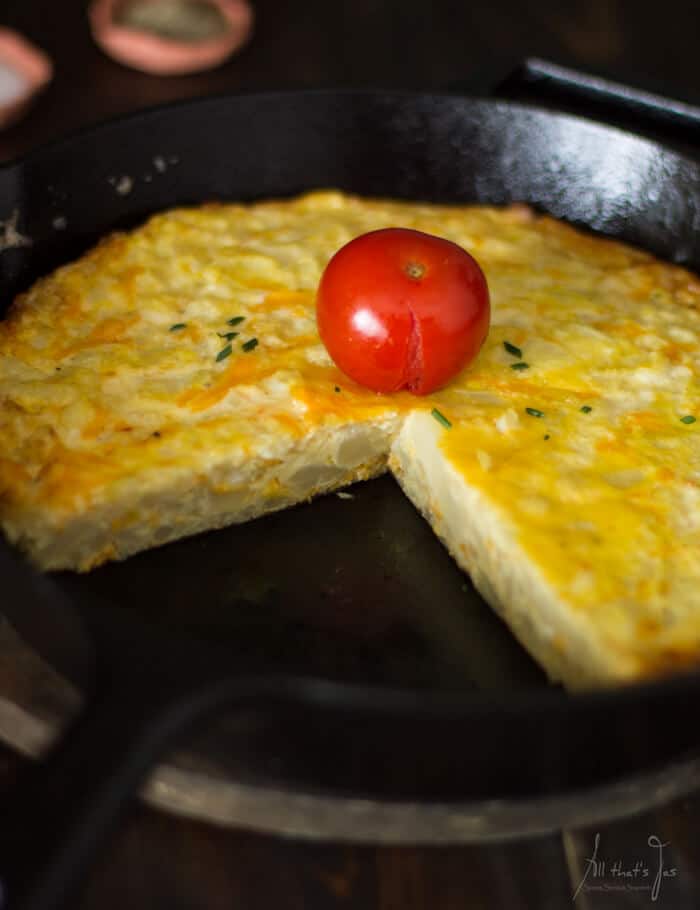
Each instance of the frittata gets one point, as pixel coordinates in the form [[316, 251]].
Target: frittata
[[172, 380]]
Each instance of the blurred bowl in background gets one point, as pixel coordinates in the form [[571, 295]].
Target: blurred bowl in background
[[170, 37], [24, 72]]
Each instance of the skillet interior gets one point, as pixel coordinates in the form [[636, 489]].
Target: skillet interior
[[359, 590]]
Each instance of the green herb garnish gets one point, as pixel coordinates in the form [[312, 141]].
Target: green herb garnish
[[688, 419], [533, 412], [237, 320], [586, 409], [440, 417], [224, 353], [520, 366], [546, 437], [228, 335], [250, 344], [511, 348], [177, 327]]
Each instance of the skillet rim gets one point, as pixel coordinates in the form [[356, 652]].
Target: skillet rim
[[105, 123]]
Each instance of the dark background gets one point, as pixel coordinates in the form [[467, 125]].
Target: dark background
[[377, 43], [156, 861]]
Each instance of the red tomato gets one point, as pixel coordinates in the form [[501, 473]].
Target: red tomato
[[399, 309]]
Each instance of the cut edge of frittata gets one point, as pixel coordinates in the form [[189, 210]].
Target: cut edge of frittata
[[181, 503], [576, 646]]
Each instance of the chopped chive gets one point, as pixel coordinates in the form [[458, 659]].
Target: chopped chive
[[237, 320], [224, 353], [177, 327], [227, 335], [546, 437], [440, 417], [533, 412], [688, 419], [511, 348], [586, 409], [250, 344], [520, 366]]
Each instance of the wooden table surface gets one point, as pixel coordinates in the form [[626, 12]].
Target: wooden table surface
[[154, 860]]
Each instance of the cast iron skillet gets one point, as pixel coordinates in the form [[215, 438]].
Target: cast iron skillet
[[361, 658]]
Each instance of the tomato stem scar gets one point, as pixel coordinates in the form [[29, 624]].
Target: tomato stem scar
[[414, 270]]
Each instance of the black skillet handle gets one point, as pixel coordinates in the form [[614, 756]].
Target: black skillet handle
[[60, 813], [599, 97]]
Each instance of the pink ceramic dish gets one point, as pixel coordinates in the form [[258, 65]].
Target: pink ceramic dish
[[32, 68], [146, 50]]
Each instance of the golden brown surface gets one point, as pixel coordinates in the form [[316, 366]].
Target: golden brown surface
[[125, 404]]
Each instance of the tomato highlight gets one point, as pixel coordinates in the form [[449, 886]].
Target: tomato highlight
[[401, 309]]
